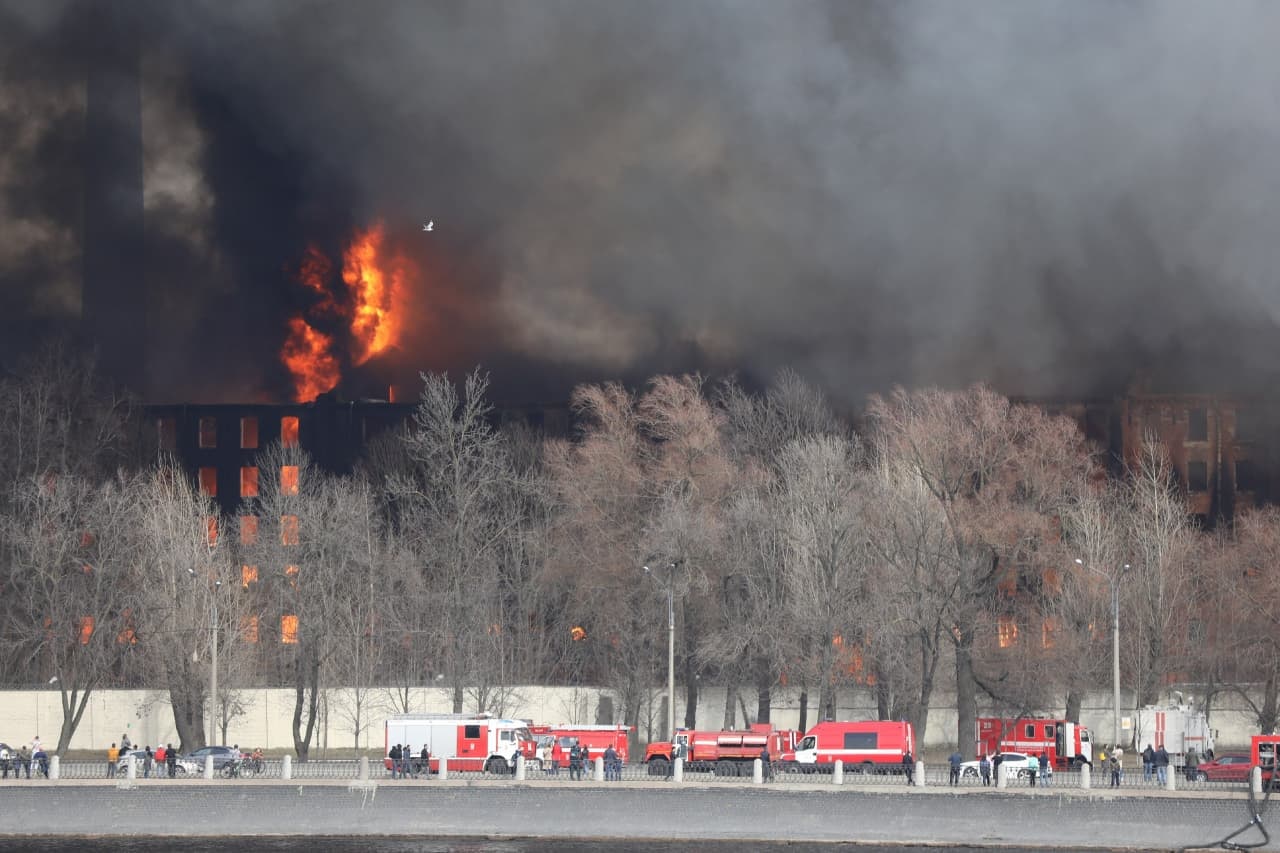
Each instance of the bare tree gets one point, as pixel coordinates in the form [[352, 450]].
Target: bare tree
[[67, 553], [181, 563]]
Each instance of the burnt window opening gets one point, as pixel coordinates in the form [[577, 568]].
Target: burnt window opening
[[249, 482], [1250, 476], [209, 482], [1250, 425], [208, 437], [1197, 425], [249, 433], [167, 434], [1197, 475]]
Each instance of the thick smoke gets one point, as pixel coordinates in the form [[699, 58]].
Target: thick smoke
[[1054, 197]]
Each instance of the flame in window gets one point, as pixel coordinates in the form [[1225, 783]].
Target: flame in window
[[289, 628]]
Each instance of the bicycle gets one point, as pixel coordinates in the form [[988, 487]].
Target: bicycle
[[251, 766], [231, 770]]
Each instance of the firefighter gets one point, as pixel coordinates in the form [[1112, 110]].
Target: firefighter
[[766, 764], [909, 767], [575, 762]]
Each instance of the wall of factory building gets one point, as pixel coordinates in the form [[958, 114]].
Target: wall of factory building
[[147, 718]]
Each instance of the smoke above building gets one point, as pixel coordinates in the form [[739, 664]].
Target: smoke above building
[[1051, 197]]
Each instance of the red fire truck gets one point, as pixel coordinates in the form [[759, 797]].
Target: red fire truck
[[595, 739], [1265, 752], [864, 746], [1067, 743], [470, 742], [726, 753]]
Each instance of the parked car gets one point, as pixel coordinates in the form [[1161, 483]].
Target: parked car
[[1012, 764], [182, 768], [1229, 767], [222, 756]]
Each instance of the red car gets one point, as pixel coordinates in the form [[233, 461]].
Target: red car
[[1231, 767]]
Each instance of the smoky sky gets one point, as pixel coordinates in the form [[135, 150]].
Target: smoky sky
[[1053, 197]]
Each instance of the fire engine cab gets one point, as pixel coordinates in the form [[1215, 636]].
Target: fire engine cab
[[470, 742], [1067, 743], [863, 746], [1265, 751]]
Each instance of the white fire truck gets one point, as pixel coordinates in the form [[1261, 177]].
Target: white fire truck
[[470, 742], [1175, 727]]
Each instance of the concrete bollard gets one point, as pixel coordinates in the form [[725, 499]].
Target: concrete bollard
[[520, 771], [1002, 776], [919, 774], [837, 773], [1169, 777], [286, 767], [597, 770], [131, 768], [757, 772], [55, 768], [677, 774], [364, 769], [444, 769], [208, 767], [1255, 780], [1085, 781]]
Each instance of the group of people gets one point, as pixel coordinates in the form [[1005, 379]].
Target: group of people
[[1155, 762], [404, 765], [24, 759], [163, 758]]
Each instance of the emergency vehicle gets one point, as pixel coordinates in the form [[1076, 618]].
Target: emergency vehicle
[[595, 739], [725, 753], [1265, 752], [1068, 744], [863, 746], [469, 741], [1177, 728]]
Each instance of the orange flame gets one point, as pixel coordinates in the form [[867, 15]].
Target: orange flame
[[308, 356], [377, 279]]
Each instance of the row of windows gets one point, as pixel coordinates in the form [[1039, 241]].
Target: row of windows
[[1249, 476], [208, 479], [207, 432], [248, 630], [249, 530]]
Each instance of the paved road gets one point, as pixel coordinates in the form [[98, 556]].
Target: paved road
[[816, 813]]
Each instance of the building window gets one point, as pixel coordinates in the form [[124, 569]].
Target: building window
[[288, 530], [291, 572], [209, 482], [289, 628], [1249, 425], [86, 630], [288, 479], [248, 530], [1249, 477], [211, 530], [1008, 632], [248, 482], [248, 575], [1049, 633], [167, 434], [1197, 475], [1197, 425], [208, 432], [249, 433], [289, 431], [249, 628]]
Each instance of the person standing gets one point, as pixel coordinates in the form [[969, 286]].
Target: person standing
[[766, 764], [1033, 769], [394, 755], [1192, 764], [1114, 764], [671, 765], [1162, 764], [125, 743], [425, 758], [24, 760], [956, 760], [611, 773], [1046, 769], [148, 759], [171, 758], [995, 767], [984, 769], [909, 767], [113, 755], [575, 762], [1148, 760], [4, 760], [557, 755]]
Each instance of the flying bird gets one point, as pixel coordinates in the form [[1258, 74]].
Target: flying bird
[[430, 226]]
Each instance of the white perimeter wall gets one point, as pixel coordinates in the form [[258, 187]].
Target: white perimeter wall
[[147, 718]]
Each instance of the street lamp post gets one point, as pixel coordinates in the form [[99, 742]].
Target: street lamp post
[[1114, 580], [671, 649]]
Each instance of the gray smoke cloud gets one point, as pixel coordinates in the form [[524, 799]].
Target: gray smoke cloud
[[1047, 196]]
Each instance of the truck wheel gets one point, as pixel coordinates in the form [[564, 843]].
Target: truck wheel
[[497, 767], [658, 766]]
